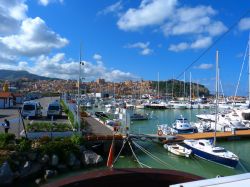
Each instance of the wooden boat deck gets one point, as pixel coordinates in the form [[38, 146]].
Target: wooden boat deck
[[208, 135]]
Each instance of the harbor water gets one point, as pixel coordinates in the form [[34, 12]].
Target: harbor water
[[168, 160]]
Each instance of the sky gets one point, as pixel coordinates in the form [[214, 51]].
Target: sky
[[128, 39]]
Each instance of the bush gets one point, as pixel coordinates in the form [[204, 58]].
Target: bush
[[47, 127], [76, 139], [62, 148], [6, 139], [24, 145]]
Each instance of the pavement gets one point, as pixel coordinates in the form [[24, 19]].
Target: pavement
[[97, 128], [16, 125]]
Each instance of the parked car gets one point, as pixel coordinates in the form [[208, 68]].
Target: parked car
[[31, 109], [54, 109]]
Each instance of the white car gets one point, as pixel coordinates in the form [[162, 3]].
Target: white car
[[31, 109]]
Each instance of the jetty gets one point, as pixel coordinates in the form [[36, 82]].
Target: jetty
[[96, 127], [208, 135]]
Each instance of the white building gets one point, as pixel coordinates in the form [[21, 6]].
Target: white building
[[6, 100]]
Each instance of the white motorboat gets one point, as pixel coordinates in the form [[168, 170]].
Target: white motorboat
[[205, 149], [177, 105], [182, 126], [178, 150]]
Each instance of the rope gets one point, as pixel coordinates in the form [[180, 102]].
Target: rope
[[124, 142], [135, 155], [215, 42], [152, 156], [238, 84]]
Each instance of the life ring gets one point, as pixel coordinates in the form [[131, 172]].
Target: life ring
[[160, 133]]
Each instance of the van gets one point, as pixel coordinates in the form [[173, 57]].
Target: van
[[54, 109], [31, 109]]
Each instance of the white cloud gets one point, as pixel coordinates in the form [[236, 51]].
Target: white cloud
[[178, 47], [97, 57], [244, 24], [150, 12], [11, 13], [114, 8], [144, 47], [204, 66], [34, 38], [200, 43], [58, 66], [194, 20], [46, 2], [197, 23]]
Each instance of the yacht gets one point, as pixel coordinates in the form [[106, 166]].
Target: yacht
[[177, 105], [182, 126], [205, 149], [138, 117], [156, 104]]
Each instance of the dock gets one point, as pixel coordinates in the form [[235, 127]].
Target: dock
[[206, 135], [95, 127]]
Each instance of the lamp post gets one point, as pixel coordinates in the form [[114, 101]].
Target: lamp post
[[79, 83]]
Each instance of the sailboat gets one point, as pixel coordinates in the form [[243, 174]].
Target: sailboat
[[207, 149]]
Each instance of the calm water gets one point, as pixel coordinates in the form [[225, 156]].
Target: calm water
[[192, 165]]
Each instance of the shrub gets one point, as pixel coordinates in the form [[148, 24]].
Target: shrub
[[76, 139], [62, 148], [47, 126], [24, 145], [6, 139]]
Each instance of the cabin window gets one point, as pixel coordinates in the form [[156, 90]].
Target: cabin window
[[219, 151], [200, 143]]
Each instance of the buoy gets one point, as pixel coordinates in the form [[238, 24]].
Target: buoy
[[160, 133]]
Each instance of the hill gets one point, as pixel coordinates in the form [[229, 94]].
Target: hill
[[177, 87], [13, 75]]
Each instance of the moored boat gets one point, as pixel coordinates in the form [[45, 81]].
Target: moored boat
[[178, 150], [205, 149], [182, 126]]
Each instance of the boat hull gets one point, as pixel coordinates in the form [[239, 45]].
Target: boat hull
[[213, 158]]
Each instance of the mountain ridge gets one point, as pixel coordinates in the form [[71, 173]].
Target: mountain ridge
[[13, 75]]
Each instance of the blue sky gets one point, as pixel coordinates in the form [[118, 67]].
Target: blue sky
[[126, 39]]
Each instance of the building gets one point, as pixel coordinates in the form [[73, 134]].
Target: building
[[17, 98], [6, 100], [100, 81]]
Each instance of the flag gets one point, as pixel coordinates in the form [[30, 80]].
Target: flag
[[111, 156]]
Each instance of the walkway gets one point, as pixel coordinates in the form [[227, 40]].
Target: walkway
[[97, 128]]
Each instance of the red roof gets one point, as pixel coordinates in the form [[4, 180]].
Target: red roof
[[5, 94]]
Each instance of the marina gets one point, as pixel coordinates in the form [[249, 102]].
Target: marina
[[124, 93]]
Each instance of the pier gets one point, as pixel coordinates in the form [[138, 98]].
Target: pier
[[208, 135], [95, 127]]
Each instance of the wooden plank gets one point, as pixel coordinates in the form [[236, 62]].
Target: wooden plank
[[208, 135]]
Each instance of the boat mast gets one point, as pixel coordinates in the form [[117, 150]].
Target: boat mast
[[190, 89], [173, 88], [216, 94], [197, 84], [158, 86], [79, 83], [184, 86], [249, 71], [166, 90]]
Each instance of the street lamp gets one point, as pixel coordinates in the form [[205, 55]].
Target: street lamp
[[81, 63]]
